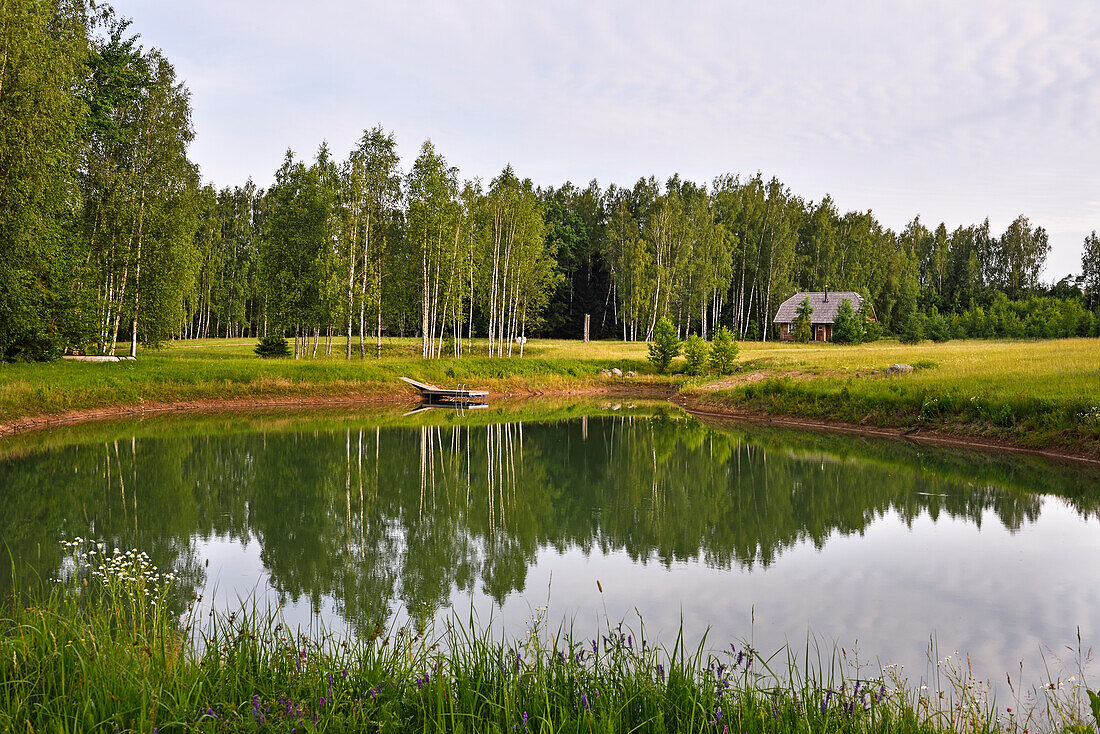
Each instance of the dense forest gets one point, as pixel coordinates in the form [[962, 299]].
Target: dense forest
[[107, 234]]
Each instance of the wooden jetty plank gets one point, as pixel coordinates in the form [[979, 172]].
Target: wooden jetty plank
[[432, 392], [422, 386]]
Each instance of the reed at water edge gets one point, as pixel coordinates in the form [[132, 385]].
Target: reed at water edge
[[104, 650]]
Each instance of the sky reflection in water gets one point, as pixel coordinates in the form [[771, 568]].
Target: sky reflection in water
[[750, 532]]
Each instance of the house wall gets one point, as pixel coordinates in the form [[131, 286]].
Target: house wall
[[820, 332]]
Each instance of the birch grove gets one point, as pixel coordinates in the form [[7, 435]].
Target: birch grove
[[108, 240], [517, 268]]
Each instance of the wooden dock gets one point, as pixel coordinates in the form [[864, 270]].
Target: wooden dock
[[438, 395]]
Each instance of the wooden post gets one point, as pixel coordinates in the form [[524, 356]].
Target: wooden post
[[587, 325]]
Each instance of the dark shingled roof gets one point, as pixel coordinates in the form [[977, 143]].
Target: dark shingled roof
[[824, 311]]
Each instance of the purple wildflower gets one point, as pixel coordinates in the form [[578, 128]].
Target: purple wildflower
[[660, 672], [584, 699]]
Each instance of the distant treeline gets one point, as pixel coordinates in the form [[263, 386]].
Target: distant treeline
[[106, 233]]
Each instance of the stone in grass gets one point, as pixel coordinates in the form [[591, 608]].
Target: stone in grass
[[899, 369], [616, 371], [631, 374], [605, 373]]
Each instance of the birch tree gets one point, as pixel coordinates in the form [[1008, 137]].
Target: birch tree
[[434, 233], [43, 300], [371, 181]]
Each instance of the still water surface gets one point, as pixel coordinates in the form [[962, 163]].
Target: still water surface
[[751, 533]]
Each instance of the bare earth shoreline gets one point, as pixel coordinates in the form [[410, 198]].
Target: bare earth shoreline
[[695, 407]]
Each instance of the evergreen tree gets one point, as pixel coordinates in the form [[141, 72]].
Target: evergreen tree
[[848, 327], [802, 326], [913, 331], [938, 327], [665, 345], [696, 352], [723, 352]]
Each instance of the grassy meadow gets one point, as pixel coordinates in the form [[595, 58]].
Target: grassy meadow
[[1032, 393], [1035, 393]]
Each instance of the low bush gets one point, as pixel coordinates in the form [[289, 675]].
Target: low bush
[[272, 346], [723, 352], [696, 352], [665, 346]]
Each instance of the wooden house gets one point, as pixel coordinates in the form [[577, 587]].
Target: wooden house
[[825, 306]]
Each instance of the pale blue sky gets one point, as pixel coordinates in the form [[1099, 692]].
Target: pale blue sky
[[951, 110]]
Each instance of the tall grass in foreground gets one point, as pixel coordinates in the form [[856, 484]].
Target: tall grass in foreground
[[102, 652]]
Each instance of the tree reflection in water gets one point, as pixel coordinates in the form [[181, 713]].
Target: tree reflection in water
[[374, 517]]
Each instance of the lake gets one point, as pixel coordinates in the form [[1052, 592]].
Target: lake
[[895, 552]]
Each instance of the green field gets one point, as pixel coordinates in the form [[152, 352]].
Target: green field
[[1035, 393]]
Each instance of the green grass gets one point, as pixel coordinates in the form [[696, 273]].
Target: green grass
[[1038, 394], [1035, 393], [217, 369], [103, 652]]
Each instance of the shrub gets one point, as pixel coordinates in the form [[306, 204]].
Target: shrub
[[696, 351], [913, 330], [802, 326], [272, 346], [939, 330], [665, 346], [872, 330], [848, 328], [723, 352]]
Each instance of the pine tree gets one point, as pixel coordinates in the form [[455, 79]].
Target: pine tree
[[696, 352], [665, 346], [723, 352], [802, 326], [848, 327], [939, 330]]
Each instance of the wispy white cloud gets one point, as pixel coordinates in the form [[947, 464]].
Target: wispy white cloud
[[952, 110]]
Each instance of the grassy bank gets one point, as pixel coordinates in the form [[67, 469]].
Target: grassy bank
[[219, 370], [1036, 394], [105, 652], [1043, 394]]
